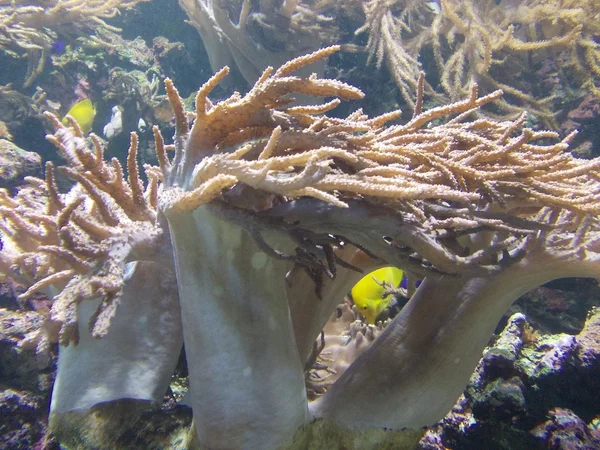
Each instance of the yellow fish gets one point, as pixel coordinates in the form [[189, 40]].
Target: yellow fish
[[368, 295], [83, 112]]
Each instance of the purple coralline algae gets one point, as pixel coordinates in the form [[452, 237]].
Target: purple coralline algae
[[566, 431], [529, 391], [24, 385]]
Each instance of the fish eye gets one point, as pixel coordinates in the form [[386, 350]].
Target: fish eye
[[365, 307]]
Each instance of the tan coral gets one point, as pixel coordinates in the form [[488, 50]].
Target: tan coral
[[432, 162], [78, 243], [402, 164], [257, 188], [394, 27], [488, 43]]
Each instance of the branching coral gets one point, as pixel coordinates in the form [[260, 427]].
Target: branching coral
[[498, 40], [496, 44], [98, 243], [499, 46], [250, 36], [393, 28], [260, 213], [30, 25], [64, 237]]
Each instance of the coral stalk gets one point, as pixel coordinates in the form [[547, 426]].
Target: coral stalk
[[416, 369], [246, 379], [135, 361]]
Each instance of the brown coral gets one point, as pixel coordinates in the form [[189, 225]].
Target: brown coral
[[78, 243]]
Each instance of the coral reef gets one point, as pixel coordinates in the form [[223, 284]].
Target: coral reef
[[566, 430], [344, 337], [250, 36], [103, 66], [126, 76], [242, 241], [504, 45], [33, 26], [15, 107], [560, 306], [24, 385]]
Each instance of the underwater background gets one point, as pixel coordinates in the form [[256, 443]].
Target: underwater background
[[537, 384]]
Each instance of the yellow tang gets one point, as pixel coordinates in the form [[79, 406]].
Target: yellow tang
[[83, 112], [368, 294]]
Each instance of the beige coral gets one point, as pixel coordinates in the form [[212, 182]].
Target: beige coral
[[256, 189], [344, 337], [489, 43], [78, 242]]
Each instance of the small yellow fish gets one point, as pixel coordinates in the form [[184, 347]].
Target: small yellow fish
[[368, 294], [83, 112]]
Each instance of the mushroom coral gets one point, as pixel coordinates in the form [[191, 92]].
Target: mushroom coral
[[265, 215]]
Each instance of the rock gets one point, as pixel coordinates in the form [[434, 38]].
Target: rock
[[21, 369], [20, 427], [589, 340], [16, 163], [24, 387], [521, 379], [566, 431]]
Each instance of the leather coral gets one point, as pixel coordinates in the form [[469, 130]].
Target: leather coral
[[265, 214]]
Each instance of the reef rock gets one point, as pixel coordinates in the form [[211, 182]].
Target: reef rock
[[16, 163]]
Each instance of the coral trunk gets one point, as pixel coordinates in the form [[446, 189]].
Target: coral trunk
[[246, 379], [414, 372], [125, 372]]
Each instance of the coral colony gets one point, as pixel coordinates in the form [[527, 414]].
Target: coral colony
[[257, 221], [31, 27], [501, 44]]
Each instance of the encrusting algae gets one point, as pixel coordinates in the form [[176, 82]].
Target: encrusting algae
[[282, 194]]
